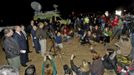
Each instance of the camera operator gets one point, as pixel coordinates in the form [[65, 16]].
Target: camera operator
[[49, 65], [131, 31], [83, 69]]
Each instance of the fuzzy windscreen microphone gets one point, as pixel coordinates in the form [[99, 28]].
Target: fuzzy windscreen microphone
[[30, 70], [8, 70]]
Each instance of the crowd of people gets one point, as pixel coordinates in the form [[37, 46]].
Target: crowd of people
[[89, 29]]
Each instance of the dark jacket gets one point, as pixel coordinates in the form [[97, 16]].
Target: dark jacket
[[23, 46], [97, 32], [11, 47], [21, 41], [41, 33], [77, 69], [28, 29], [33, 33], [97, 67]]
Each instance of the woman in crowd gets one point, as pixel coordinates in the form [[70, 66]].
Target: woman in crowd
[[41, 34], [49, 66], [35, 40]]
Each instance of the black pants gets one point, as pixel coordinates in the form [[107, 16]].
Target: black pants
[[105, 39], [24, 58]]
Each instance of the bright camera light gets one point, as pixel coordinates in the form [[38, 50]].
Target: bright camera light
[[125, 10], [106, 13], [118, 12]]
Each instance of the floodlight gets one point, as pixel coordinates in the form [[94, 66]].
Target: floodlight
[[118, 12]]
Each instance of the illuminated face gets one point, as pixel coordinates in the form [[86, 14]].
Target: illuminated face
[[103, 15], [84, 62], [96, 27], [17, 28], [79, 29], [34, 27], [106, 29], [41, 25], [116, 17], [32, 22], [58, 34], [22, 27], [89, 33], [11, 32]]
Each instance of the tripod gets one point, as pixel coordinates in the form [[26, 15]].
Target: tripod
[[53, 47]]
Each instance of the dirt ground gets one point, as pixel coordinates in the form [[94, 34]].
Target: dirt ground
[[72, 47]]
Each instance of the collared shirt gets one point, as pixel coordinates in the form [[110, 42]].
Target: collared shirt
[[18, 33], [24, 33]]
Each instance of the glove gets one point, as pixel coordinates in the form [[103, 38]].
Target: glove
[[102, 59], [91, 48], [72, 57], [45, 58], [49, 57]]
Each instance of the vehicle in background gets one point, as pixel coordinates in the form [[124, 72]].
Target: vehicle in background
[[38, 14]]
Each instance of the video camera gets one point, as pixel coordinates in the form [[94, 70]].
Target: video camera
[[130, 21], [67, 70]]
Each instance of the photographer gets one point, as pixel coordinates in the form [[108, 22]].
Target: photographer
[[131, 29], [84, 69], [49, 65]]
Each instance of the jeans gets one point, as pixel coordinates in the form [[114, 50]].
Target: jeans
[[43, 46], [37, 45]]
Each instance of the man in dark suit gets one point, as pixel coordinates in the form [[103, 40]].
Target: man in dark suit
[[20, 38], [26, 37]]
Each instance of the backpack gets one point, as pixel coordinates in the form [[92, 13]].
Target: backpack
[[122, 60]]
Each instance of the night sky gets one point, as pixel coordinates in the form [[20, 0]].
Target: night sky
[[20, 11]]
